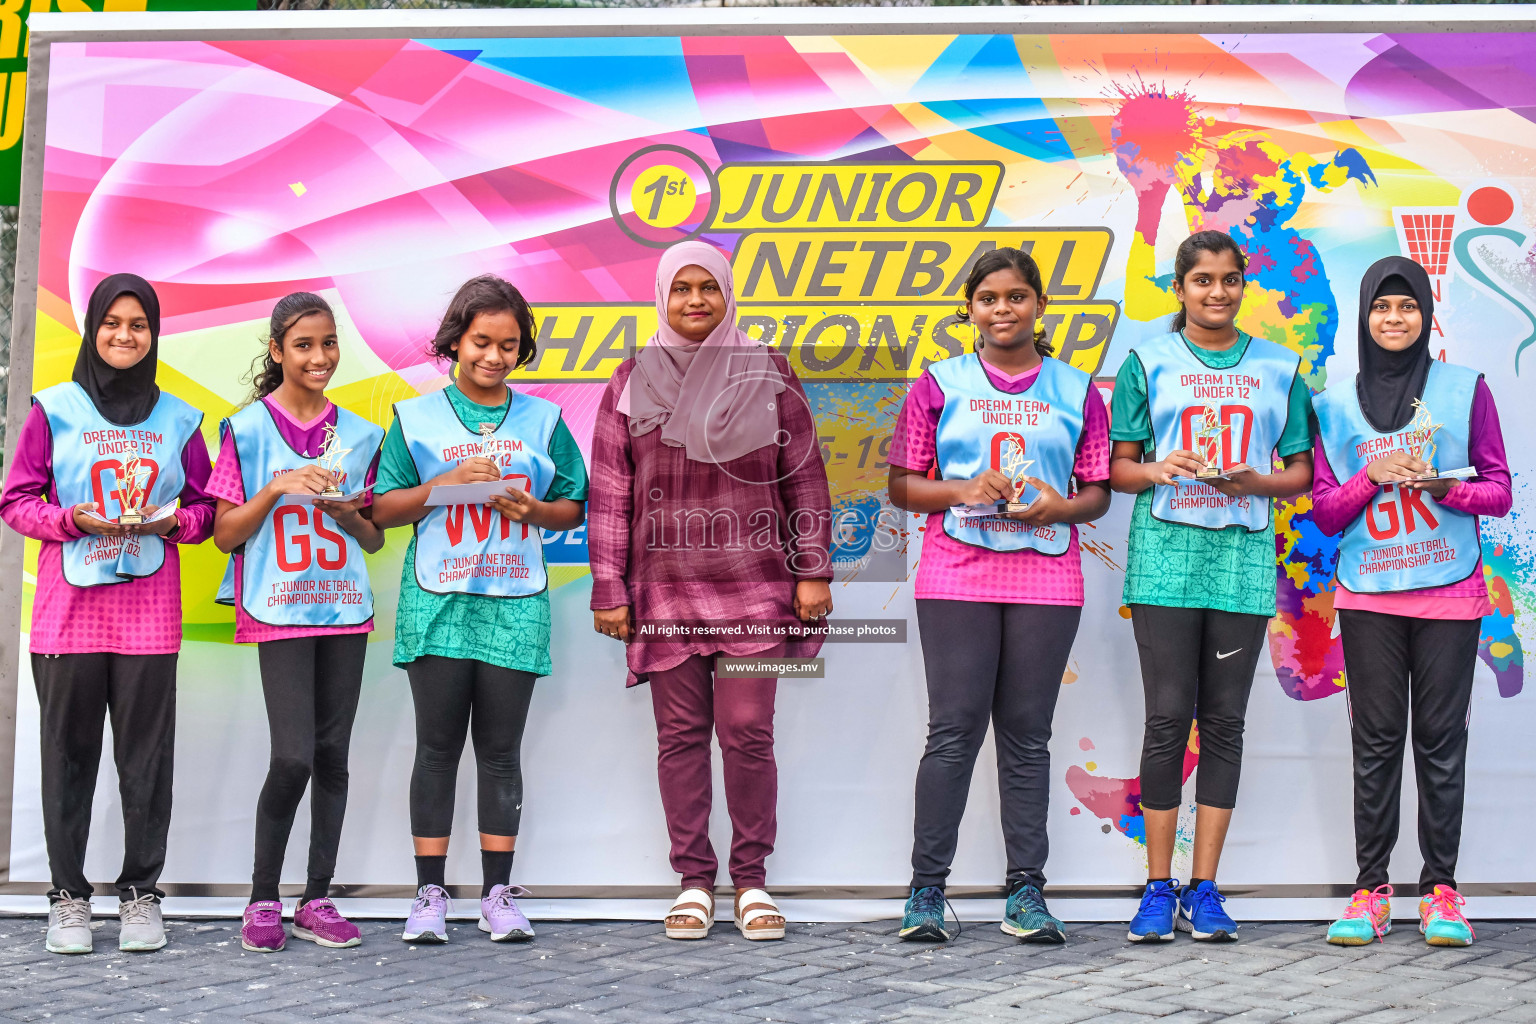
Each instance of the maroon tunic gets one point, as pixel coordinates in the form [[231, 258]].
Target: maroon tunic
[[679, 540]]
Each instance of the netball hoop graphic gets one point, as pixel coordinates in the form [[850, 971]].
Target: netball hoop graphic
[[1424, 235]]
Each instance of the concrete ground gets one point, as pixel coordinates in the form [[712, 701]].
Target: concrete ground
[[626, 971]]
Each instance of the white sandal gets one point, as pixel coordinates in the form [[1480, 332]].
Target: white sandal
[[753, 905], [697, 905]]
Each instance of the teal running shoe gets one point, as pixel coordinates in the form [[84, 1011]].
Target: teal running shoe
[[1441, 920], [1367, 919], [924, 917], [1027, 916]]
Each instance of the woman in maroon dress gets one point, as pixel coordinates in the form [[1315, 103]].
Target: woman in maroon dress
[[709, 507]]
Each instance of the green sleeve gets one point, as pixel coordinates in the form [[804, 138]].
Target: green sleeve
[[1297, 435], [1130, 420], [570, 470], [396, 467]]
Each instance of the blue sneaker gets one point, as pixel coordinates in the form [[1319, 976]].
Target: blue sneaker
[[1201, 915], [1027, 916], [1155, 917], [924, 918]]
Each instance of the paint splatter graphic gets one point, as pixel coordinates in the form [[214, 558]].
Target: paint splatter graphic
[[1308, 662], [1236, 180], [1118, 801], [1099, 548], [1499, 647], [1309, 659]]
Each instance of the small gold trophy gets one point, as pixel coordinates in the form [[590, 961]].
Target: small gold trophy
[[1015, 467], [130, 491], [331, 454], [486, 432], [1421, 438], [1207, 439]]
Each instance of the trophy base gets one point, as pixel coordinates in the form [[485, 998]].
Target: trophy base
[[331, 494], [134, 518], [1006, 507], [1209, 473]]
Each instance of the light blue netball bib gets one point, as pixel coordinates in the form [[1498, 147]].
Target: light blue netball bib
[[90, 460], [1405, 539], [299, 568], [1251, 402], [974, 433], [226, 593], [474, 549]]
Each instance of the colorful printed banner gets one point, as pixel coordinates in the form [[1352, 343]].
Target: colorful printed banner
[[14, 48], [853, 180]]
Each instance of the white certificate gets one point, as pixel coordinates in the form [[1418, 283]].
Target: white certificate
[[478, 493]]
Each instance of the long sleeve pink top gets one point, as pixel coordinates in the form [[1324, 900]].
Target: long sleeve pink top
[[136, 616], [1335, 505]]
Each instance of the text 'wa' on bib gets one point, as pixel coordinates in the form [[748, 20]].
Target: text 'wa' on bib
[[474, 549], [1249, 404], [91, 460], [300, 568], [1405, 539], [982, 427]]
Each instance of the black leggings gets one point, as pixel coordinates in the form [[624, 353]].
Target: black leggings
[[998, 663], [311, 685], [1194, 658], [1400, 670], [454, 696], [75, 693]]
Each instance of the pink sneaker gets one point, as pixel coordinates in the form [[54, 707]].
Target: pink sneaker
[[320, 921], [262, 931]]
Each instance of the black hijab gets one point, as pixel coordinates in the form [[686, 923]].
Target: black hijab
[[1388, 382], [124, 397]]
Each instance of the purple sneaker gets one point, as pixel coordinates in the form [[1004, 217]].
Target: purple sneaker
[[499, 915], [429, 916], [320, 921], [262, 931]]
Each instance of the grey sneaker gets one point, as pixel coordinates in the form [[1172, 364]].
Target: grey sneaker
[[142, 931], [69, 925]]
